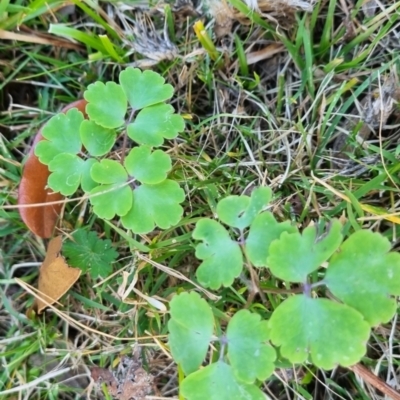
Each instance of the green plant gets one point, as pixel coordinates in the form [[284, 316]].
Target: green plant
[[361, 274], [135, 187]]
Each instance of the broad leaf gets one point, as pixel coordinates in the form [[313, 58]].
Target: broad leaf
[[263, 231], [107, 104], [87, 182], [108, 172], [293, 256], [97, 139], [240, 211], [155, 205], [89, 253], [250, 355], [366, 276], [66, 173], [67, 142], [330, 333], [155, 123], [146, 166], [222, 257], [111, 200], [190, 330], [145, 88], [217, 382]]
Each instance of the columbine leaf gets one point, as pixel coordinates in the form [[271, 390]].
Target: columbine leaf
[[217, 382], [250, 355], [66, 173], [365, 275], [62, 134], [87, 182], [146, 166], [108, 171], [294, 256], [155, 205], [240, 211], [155, 123], [89, 253], [144, 89], [223, 259], [190, 330], [263, 231], [107, 104], [108, 200], [331, 333], [96, 139]]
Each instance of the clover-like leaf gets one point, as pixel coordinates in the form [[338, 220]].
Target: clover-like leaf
[[250, 355], [108, 171], [111, 199], [87, 183], [96, 139], [293, 256], [155, 123], [146, 166], [366, 275], [145, 88], [240, 211], [66, 173], [263, 231], [217, 382], [107, 104], [329, 332], [190, 330], [90, 253], [62, 134], [155, 205], [222, 257]]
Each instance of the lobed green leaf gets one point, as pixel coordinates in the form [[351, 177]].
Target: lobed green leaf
[[108, 172], [250, 356], [222, 257], [190, 330], [96, 139], [293, 256], [240, 211], [366, 276], [330, 333]]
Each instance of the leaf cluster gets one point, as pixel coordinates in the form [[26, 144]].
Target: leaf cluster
[[136, 187]]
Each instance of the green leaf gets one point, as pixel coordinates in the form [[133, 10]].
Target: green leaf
[[240, 211], [263, 231], [190, 330], [217, 382], [250, 356], [107, 104], [62, 134], [331, 333], [89, 253], [155, 205], [155, 123], [366, 276], [87, 182], [146, 166], [223, 258], [294, 256], [96, 139], [66, 173], [108, 172], [108, 200], [144, 89]]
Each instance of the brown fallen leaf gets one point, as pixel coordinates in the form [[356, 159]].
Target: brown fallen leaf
[[55, 277], [42, 219]]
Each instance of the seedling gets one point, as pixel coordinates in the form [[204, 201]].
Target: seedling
[[134, 187], [362, 275]]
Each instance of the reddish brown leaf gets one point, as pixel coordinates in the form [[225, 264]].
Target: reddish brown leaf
[[42, 219]]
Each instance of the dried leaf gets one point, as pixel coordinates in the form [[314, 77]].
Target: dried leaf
[[42, 219], [55, 277]]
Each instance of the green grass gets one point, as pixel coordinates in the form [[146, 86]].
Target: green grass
[[272, 122]]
